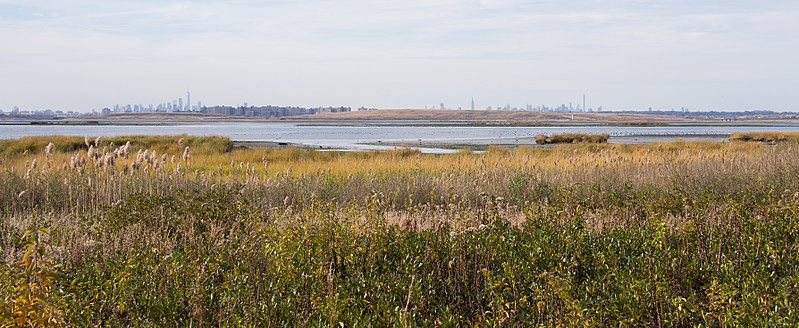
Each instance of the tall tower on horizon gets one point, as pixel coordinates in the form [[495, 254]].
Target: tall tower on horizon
[[584, 108], [472, 103], [188, 101]]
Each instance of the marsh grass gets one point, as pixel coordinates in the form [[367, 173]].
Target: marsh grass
[[570, 138], [64, 144], [769, 137], [679, 233]]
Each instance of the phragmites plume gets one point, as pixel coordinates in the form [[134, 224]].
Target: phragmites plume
[[34, 163], [180, 142], [152, 157], [164, 158], [186, 154], [97, 142], [92, 153], [48, 151], [77, 162], [125, 149], [86, 141], [108, 160]]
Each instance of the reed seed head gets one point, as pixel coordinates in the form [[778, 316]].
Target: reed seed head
[[49, 150], [186, 154]]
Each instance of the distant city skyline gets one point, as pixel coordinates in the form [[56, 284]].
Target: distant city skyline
[[707, 55], [177, 105]]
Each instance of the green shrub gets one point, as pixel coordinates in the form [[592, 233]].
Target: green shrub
[[768, 137], [571, 138]]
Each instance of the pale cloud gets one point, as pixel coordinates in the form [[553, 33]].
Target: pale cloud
[[708, 54]]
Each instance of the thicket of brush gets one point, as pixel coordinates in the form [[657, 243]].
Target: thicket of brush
[[770, 137], [665, 234], [571, 138]]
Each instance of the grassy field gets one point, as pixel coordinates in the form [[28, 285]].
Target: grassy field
[[180, 231]]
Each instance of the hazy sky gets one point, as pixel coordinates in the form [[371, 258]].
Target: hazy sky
[[623, 54]]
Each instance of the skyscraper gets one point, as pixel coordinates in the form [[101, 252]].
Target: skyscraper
[[584, 108], [188, 101], [472, 103]]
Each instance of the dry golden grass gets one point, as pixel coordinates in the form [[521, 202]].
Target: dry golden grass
[[306, 161]]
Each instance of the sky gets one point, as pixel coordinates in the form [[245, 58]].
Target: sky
[[621, 54]]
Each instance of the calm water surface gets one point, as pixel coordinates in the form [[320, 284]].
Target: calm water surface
[[365, 136]]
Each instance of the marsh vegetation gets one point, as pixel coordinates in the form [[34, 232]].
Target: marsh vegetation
[[768, 137], [178, 231], [560, 138]]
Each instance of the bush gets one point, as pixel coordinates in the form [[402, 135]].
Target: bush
[[571, 138], [767, 137]]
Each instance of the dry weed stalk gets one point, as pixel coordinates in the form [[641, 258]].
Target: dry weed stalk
[[186, 155]]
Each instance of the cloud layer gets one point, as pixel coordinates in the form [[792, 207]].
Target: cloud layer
[[624, 54]]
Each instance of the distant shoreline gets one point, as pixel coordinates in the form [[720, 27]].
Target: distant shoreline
[[405, 123]]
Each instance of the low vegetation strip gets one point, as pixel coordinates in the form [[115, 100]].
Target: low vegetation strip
[[770, 137], [678, 234], [491, 116], [64, 144], [571, 138]]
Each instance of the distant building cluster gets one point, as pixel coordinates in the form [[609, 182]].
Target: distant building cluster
[[531, 108], [570, 108], [718, 115], [246, 110], [270, 111], [43, 113], [176, 105]]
